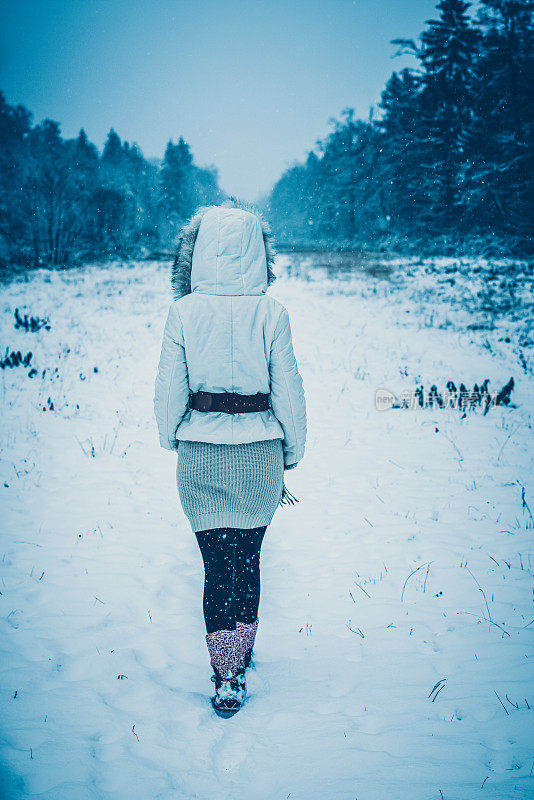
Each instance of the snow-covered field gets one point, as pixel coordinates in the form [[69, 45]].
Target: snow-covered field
[[406, 565]]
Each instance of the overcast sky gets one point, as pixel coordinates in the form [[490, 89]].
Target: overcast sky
[[250, 85]]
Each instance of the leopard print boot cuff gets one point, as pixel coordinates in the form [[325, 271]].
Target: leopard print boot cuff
[[226, 652]]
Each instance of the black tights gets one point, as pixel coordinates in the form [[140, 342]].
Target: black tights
[[231, 575]]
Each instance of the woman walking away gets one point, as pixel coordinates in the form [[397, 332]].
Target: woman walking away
[[229, 400]]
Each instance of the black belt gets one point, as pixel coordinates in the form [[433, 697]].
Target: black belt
[[228, 402]]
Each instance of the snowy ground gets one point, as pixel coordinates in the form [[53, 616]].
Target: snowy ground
[[407, 562]]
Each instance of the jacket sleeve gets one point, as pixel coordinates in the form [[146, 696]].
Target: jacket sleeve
[[287, 393], [171, 397]]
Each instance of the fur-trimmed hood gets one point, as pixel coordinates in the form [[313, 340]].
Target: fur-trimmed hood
[[224, 249]]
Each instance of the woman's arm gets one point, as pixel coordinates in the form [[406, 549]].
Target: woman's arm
[[287, 394], [171, 396]]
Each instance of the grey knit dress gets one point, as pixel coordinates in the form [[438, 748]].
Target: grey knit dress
[[230, 485]]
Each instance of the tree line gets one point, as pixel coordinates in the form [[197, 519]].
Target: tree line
[[64, 202], [448, 156], [446, 159]]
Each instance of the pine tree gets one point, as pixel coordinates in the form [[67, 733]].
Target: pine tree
[[15, 125], [116, 203], [349, 164], [403, 190], [503, 136], [446, 102], [112, 153], [176, 181]]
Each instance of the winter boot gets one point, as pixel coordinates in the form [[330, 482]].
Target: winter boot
[[247, 634], [230, 693], [226, 653]]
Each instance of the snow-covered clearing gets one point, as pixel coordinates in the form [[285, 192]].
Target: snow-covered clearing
[[407, 563]]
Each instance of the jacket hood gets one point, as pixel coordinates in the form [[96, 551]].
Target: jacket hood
[[225, 250]]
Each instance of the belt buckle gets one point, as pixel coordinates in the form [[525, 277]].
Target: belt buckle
[[204, 401]]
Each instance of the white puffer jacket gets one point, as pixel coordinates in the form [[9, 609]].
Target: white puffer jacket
[[224, 334]]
